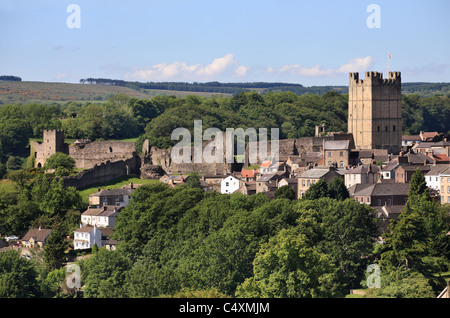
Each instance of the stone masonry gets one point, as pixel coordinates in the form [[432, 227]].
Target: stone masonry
[[375, 111]]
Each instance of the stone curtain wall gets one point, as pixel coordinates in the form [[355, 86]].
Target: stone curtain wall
[[89, 154], [104, 172]]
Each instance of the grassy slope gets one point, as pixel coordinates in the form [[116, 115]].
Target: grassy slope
[[114, 184], [46, 92]]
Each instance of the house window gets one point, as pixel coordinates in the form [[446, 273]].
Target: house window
[[329, 154], [379, 202], [393, 128], [227, 184], [314, 182], [341, 164], [448, 180], [368, 200], [308, 183], [448, 189], [389, 201], [303, 183], [341, 154], [386, 128], [378, 128]]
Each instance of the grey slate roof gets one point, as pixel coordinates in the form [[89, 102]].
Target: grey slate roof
[[113, 192], [336, 145], [313, 173], [438, 169], [37, 233], [378, 189], [364, 169]]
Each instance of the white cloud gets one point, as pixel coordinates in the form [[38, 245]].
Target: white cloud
[[182, 70], [241, 71], [354, 65], [357, 64], [227, 66], [65, 75]]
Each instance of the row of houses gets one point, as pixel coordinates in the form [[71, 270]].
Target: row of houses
[[98, 221], [372, 177]]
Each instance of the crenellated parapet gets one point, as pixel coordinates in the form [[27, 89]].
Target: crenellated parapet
[[374, 78]]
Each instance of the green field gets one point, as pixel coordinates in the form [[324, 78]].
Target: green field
[[114, 184], [46, 92]]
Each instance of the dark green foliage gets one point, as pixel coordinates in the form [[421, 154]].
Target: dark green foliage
[[338, 190], [17, 276], [317, 190], [186, 238], [106, 275], [418, 239], [425, 114], [285, 192], [418, 185], [194, 181], [55, 247], [62, 163]]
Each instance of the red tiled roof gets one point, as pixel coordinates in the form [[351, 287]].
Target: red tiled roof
[[266, 164], [441, 157], [247, 173]]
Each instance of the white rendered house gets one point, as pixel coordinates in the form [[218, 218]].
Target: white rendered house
[[86, 236], [229, 185]]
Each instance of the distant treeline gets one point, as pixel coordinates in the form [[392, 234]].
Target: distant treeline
[[420, 88], [10, 78], [211, 87], [217, 87]]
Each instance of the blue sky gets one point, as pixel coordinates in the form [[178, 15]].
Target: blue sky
[[307, 42]]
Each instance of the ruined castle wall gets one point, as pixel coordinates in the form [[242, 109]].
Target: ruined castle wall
[[89, 154], [162, 157], [103, 172], [287, 147]]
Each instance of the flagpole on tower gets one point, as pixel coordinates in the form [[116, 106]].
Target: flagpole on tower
[[389, 57]]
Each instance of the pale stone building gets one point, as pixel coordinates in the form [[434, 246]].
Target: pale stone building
[[375, 111]]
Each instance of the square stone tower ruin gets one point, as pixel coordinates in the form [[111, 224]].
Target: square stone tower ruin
[[53, 142], [375, 111]]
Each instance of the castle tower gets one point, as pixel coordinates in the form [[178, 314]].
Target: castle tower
[[53, 142], [375, 111]]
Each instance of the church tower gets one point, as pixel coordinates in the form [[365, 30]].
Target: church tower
[[375, 111]]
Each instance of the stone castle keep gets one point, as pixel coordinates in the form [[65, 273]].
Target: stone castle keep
[[375, 111], [374, 122]]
